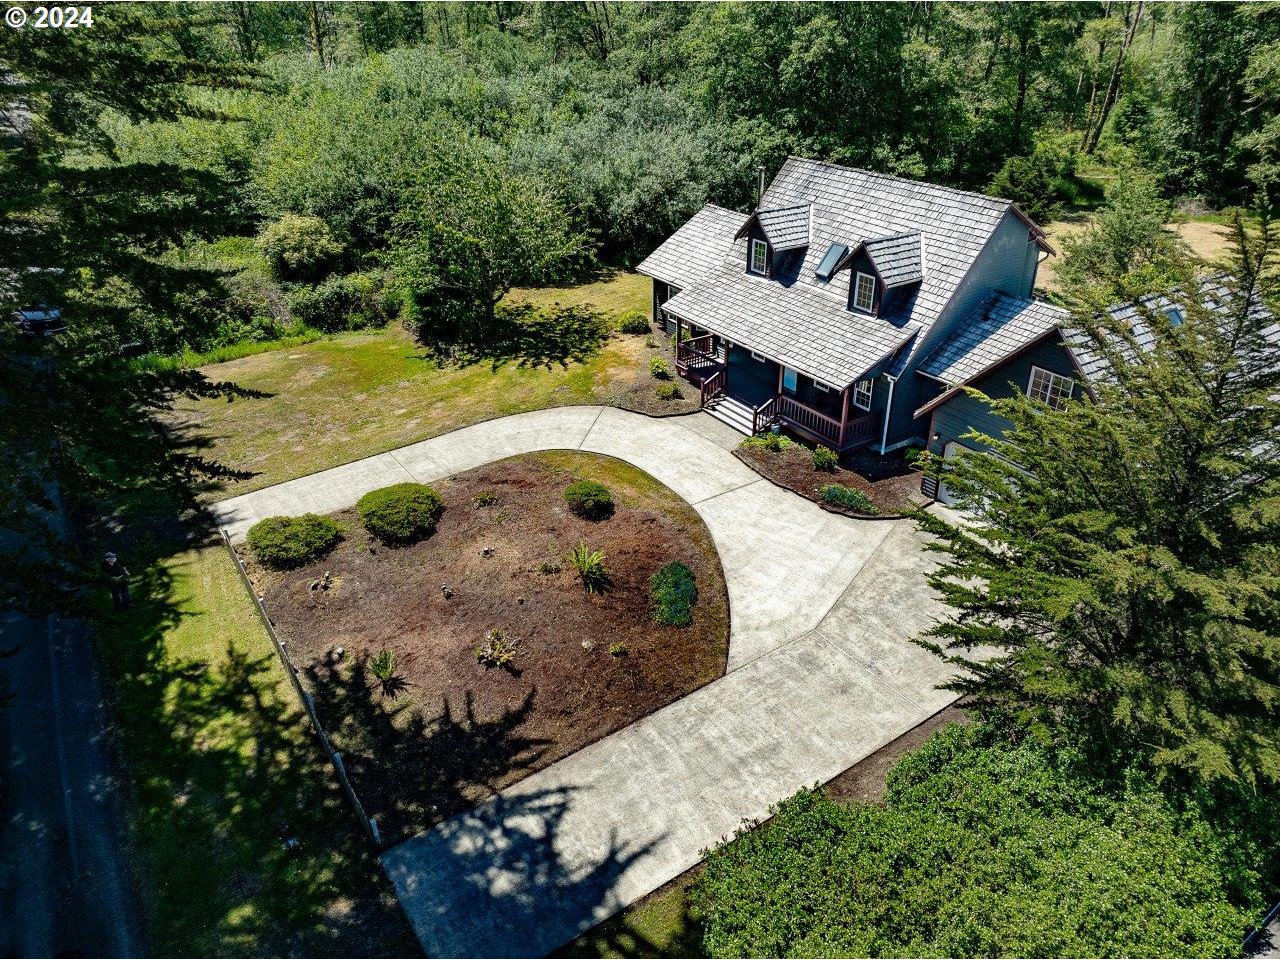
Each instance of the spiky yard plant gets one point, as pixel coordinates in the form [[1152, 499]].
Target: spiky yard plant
[[590, 566]]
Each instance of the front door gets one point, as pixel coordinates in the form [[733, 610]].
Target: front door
[[790, 380]]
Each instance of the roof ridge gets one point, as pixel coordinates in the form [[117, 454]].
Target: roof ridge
[[893, 176], [895, 236], [790, 206], [1026, 301], [716, 206]]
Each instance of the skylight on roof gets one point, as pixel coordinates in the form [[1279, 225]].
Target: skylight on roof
[[828, 264], [1175, 315]]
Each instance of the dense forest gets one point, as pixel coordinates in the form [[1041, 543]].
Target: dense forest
[[607, 124]]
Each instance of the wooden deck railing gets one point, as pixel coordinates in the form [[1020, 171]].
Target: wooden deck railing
[[763, 415], [695, 352], [859, 430], [822, 427], [711, 386]]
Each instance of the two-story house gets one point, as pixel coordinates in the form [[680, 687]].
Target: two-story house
[[842, 305]]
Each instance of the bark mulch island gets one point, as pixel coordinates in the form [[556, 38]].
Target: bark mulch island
[[442, 731], [890, 483]]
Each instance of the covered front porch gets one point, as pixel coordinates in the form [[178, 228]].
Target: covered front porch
[[752, 393]]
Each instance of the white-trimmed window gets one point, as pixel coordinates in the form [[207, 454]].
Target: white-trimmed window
[[862, 391], [1051, 389], [759, 357], [864, 291], [821, 387], [759, 256]]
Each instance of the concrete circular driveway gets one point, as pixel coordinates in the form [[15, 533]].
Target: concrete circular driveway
[[822, 672], [785, 560]]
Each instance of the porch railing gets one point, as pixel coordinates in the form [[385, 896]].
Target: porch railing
[[711, 386], [763, 415], [822, 427], [695, 352]]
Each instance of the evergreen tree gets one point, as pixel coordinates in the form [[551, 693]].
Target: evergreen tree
[[91, 235], [1123, 577]]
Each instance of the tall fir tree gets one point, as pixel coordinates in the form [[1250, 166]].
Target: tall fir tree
[[92, 236], [1122, 578]]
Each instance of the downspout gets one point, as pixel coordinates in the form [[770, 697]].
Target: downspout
[[888, 408]]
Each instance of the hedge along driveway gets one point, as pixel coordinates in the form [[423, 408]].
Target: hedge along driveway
[[822, 672]]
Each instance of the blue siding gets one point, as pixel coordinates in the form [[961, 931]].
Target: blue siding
[[1004, 265], [662, 292], [963, 413]]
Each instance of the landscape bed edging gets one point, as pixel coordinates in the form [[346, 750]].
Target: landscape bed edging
[[308, 702], [838, 511]]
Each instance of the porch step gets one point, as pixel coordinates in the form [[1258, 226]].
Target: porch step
[[733, 412]]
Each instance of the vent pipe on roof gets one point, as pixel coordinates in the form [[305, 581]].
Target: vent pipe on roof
[[760, 186]]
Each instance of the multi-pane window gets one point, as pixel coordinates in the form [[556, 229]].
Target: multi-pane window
[[759, 256], [864, 291], [862, 394], [1051, 389]]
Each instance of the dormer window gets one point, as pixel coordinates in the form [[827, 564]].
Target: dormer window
[[759, 256], [864, 292]]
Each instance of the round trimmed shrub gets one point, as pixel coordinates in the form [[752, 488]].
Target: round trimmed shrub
[[658, 369], [286, 542], [668, 391], [400, 513], [824, 458], [589, 499]]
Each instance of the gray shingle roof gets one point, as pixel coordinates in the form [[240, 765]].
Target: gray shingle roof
[[787, 228], [852, 206], [1217, 294], [695, 250], [805, 316], [795, 325], [1003, 326], [897, 259]]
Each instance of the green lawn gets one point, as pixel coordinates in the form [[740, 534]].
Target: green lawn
[[354, 395], [222, 765], [658, 925], [222, 768]]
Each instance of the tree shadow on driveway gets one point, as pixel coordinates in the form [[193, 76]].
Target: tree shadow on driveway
[[501, 881]]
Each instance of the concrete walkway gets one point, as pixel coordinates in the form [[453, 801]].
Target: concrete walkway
[[821, 673]]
